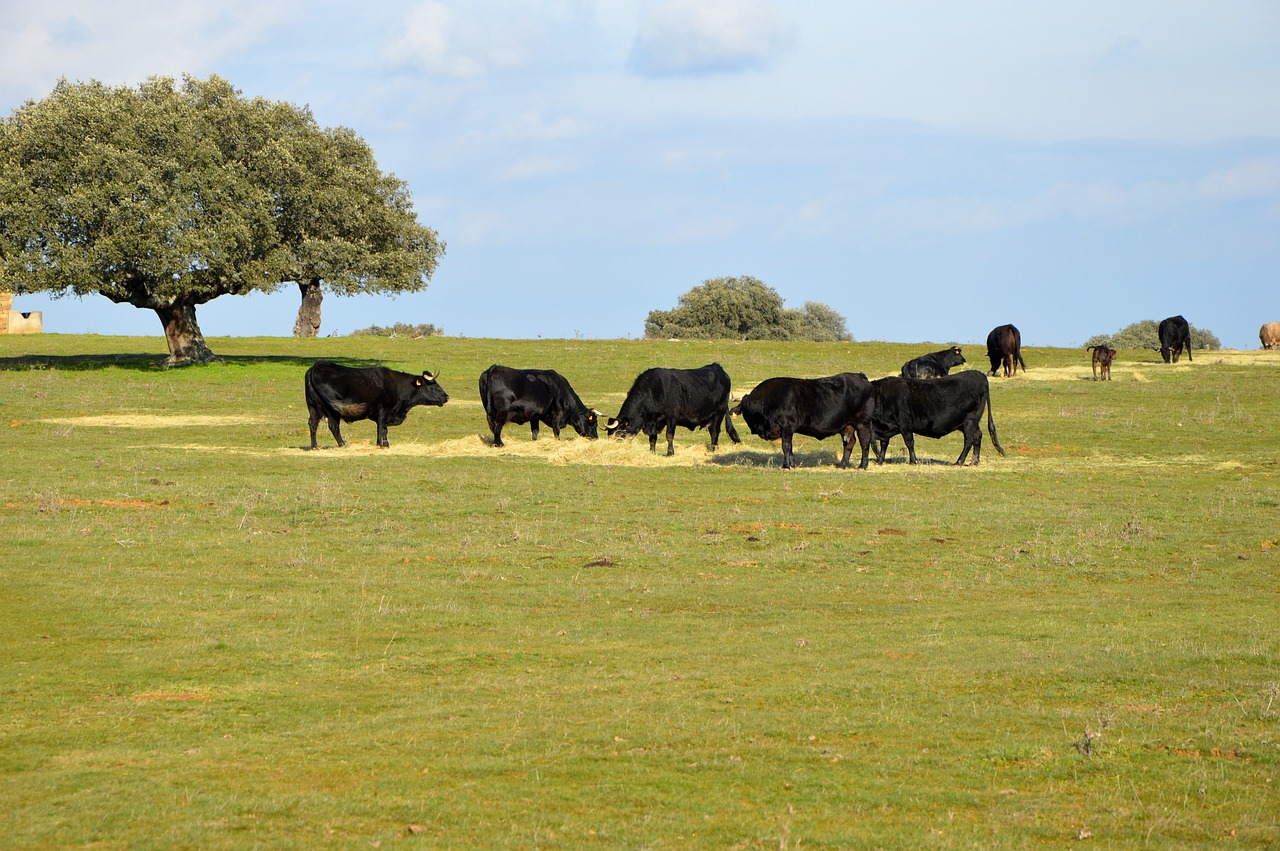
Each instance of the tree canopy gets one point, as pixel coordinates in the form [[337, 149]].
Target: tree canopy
[[349, 227], [744, 308], [167, 196], [1146, 335]]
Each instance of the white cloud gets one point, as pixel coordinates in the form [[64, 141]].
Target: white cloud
[[476, 39], [539, 167], [1246, 181], [87, 39], [680, 38]]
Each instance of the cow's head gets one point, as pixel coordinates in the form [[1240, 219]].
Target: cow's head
[[587, 423], [616, 427], [954, 357], [427, 391]]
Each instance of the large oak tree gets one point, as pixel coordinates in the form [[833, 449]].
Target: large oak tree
[[167, 196]]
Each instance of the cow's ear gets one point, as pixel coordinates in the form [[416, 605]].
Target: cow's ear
[[418, 382]]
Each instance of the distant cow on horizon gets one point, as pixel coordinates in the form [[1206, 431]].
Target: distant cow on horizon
[[933, 365], [1102, 358], [1004, 349], [1175, 337], [1269, 335]]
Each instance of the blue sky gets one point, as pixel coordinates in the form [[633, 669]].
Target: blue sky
[[928, 169]]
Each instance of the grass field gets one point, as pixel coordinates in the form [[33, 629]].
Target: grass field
[[213, 638]]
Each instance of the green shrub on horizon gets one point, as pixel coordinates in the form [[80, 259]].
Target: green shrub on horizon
[[1146, 335]]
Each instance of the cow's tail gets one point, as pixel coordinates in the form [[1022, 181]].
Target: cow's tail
[[1018, 354], [991, 426], [484, 389]]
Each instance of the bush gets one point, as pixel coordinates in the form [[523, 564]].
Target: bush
[[1146, 335], [400, 329], [744, 309]]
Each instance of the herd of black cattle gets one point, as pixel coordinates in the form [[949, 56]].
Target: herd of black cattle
[[924, 400]]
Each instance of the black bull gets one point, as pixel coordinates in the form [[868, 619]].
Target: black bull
[[816, 407], [533, 396], [1175, 337], [346, 394], [1004, 349], [666, 398], [933, 408], [933, 365]]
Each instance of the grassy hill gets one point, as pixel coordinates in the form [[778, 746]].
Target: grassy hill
[[213, 638]]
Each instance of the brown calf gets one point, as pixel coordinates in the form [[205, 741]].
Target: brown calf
[[1102, 357]]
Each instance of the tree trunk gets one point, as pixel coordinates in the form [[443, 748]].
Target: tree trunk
[[182, 333], [308, 323]]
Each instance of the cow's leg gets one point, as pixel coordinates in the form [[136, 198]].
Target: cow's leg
[[788, 456], [713, 428], [497, 425], [846, 439], [909, 439], [653, 440], [972, 440], [881, 446], [671, 440], [864, 440], [313, 420], [335, 429], [382, 434], [533, 427]]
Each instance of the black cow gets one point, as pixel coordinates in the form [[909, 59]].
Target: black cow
[[817, 407], [1175, 336], [660, 397], [908, 407], [1004, 348], [933, 365], [346, 394], [1102, 358], [533, 396]]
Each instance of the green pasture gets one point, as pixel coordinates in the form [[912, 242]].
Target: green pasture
[[211, 638]]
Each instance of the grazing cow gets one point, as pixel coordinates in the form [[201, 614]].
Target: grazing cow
[[660, 397], [533, 396], [818, 407], [1175, 336], [1269, 335], [1102, 358], [935, 408], [1004, 348], [346, 394], [933, 365]]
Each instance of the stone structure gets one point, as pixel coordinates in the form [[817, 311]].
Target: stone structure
[[14, 322]]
